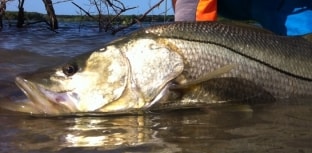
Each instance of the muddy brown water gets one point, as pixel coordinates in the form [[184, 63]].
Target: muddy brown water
[[279, 127]]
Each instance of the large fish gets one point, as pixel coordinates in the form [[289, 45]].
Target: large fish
[[183, 63]]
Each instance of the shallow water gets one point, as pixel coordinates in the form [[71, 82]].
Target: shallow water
[[279, 127]]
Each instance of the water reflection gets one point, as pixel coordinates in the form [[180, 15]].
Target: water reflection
[[106, 132], [112, 132], [103, 133], [152, 132], [277, 127]]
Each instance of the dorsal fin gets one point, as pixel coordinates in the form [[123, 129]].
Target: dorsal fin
[[252, 26]]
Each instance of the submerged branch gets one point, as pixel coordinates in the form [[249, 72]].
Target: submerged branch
[[118, 8], [86, 12], [137, 20]]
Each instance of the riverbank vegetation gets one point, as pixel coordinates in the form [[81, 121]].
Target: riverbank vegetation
[[122, 19], [114, 15]]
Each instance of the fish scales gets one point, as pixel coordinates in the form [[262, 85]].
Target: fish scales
[[281, 64], [211, 56], [290, 55], [172, 66]]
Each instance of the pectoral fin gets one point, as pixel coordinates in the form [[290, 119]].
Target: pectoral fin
[[210, 75]]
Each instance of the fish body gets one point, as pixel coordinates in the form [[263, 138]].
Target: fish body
[[183, 62]]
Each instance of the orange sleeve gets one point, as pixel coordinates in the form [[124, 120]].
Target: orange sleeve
[[206, 10]]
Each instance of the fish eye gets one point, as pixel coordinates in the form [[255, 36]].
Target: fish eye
[[103, 49], [70, 69]]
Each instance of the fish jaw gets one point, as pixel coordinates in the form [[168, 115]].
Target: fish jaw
[[100, 78], [44, 101]]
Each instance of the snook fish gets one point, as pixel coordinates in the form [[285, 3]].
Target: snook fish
[[183, 62]]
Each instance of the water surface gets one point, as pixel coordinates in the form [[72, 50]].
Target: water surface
[[283, 126]]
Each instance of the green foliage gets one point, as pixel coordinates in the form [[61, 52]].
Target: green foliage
[[28, 15], [123, 19], [71, 18]]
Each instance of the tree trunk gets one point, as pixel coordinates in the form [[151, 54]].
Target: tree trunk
[[20, 15], [51, 14], [2, 12]]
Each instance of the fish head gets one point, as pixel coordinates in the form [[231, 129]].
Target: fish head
[[125, 75], [85, 83]]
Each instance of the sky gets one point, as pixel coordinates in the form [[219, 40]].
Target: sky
[[67, 8]]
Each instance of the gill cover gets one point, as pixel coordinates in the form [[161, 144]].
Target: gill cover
[[153, 65], [103, 79]]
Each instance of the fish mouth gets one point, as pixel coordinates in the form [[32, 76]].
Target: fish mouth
[[44, 101]]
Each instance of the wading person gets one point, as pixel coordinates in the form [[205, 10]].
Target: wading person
[[284, 17], [195, 10]]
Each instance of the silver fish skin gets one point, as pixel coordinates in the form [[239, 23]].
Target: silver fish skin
[[281, 65], [169, 63]]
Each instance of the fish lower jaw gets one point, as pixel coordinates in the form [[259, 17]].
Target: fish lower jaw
[[40, 102], [29, 89]]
